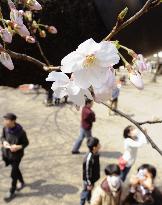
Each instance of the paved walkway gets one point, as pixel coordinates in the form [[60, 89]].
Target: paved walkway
[[53, 175]]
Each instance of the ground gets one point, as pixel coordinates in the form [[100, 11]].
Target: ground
[[52, 174]]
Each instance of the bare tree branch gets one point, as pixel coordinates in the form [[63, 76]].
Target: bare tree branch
[[38, 63], [150, 122], [119, 26], [42, 53], [24, 57], [138, 125]]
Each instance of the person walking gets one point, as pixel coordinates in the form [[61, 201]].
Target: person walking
[[133, 140], [115, 97], [91, 169], [87, 120], [14, 141], [109, 191]]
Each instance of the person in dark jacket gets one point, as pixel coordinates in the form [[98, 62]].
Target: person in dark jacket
[[91, 169], [142, 189], [88, 118], [14, 141]]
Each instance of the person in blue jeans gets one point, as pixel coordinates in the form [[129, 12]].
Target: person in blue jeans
[[91, 169], [87, 120]]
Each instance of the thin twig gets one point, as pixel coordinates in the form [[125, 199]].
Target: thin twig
[[137, 124], [150, 122], [38, 63], [118, 27], [42, 53]]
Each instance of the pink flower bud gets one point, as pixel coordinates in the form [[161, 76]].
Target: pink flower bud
[[52, 29], [30, 39], [42, 34], [6, 60]]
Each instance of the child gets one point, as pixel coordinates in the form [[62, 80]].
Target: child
[[109, 192], [91, 169], [142, 188], [133, 140]]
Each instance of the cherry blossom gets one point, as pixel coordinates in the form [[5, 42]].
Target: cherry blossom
[[5, 35], [89, 63], [21, 30], [104, 93], [6, 60], [136, 79], [16, 17], [63, 86], [140, 63], [52, 29]]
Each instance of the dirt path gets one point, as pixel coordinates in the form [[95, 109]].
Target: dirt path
[[52, 173]]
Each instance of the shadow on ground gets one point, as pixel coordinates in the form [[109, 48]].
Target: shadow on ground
[[40, 188], [113, 155]]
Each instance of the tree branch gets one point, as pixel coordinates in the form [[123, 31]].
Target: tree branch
[[119, 26], [138, 125], [150, 122], [38, 63], [42, 53]]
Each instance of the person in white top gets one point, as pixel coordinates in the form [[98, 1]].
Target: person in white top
[[133, 140]]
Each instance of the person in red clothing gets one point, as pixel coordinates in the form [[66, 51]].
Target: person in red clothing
[[88, 117]]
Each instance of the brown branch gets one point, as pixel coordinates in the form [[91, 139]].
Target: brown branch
[[150, 122], [119, 26], [24, 57], [137, 124], [38, 63], [42, 53]]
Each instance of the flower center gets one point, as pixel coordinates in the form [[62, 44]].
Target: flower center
[[89, 61]]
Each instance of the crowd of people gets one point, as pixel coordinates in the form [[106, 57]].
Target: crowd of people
[[142, 189]]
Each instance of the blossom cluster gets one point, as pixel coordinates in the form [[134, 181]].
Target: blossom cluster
[[92, 72], [16, 25]]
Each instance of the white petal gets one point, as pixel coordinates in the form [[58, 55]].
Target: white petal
[[97, 77], [72, 88], [23, 31], [88, 47], [108, 54], [59, 77], [70, 63], [78, 100], [6, 35], [16, 17], [81, 78], [59, 92]]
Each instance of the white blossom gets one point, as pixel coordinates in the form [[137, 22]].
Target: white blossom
[[6, 60], [104, 93], [89, 63], [136, 79], [63, 86]]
